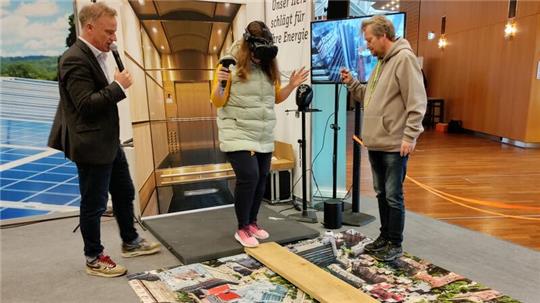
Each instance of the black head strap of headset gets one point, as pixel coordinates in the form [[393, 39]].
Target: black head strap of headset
[[266, 34]]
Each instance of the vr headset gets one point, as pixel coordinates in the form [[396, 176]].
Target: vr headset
[[263, 48], [304, 96]]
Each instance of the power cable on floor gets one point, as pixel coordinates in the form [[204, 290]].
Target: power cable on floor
[[22, 224]]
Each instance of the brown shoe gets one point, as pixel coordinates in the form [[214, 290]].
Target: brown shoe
[[143, 247], [103, 266]]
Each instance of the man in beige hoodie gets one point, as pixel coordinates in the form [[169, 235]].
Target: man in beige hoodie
[[394, 106]]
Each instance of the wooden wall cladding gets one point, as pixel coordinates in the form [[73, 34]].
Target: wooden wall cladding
[[132, 38], [152, 207], [412, 10], [195, 104], [146, 191], [137, 92], [156, 100], [159, 141], [485, 79], [152, 58], [144, 164], [195, 100], [533, 127]]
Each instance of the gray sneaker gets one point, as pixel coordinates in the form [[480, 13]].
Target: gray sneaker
[[140, 248], [103, 266], [376, 245], [389, 253]]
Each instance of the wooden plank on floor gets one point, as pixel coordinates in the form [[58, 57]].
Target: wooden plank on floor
[[313, 280]]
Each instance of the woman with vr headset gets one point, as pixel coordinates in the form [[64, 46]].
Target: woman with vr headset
[[245, 96]]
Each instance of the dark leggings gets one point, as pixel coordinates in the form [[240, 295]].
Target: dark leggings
[[251, 172]]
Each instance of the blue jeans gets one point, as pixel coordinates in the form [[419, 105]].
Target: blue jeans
[[251, 172], [389, 170], [95, 182]]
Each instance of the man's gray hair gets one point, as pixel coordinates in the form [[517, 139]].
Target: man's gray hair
[[94, 11], [380, 26]]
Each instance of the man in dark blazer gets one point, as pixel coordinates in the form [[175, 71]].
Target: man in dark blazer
[[86, 129]]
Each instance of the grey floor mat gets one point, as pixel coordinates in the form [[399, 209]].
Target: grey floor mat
[[207, 235]]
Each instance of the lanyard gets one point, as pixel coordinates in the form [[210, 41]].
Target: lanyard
[[373, 84]]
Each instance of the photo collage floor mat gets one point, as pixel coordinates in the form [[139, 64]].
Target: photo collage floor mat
[[242, 279]]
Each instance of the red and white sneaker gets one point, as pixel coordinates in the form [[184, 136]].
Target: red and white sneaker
[[257, 232], [245, 238]]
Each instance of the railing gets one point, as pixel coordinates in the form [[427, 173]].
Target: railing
[[195, 173], [192, 119]]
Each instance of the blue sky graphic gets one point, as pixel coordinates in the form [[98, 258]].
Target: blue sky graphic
[[34, 27]]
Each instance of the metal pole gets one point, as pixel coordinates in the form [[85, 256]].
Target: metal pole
[[356, 161], [335, 154], [304, 167]]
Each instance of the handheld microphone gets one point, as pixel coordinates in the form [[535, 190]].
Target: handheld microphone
[[226, 61], [116, 55]]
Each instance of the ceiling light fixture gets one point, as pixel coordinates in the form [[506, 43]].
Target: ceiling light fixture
[[154, 29]]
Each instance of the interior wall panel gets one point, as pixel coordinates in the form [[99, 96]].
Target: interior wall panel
[[152, 58], [145, 193], [485, 79], [143, 153], [533, 126], [132, 37], [194, 100], [159, 141], [151, 208], [412, 9], [137, 92], [197, 126], [156, 100]]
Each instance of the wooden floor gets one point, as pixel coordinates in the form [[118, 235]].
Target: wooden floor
[[471, 182]]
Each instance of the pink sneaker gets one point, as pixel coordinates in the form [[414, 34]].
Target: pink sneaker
[[245, 238], [257, 232]]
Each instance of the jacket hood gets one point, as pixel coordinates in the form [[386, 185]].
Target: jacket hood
[[399, 45]]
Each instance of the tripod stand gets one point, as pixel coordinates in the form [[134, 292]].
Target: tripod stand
[[307, 215]]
